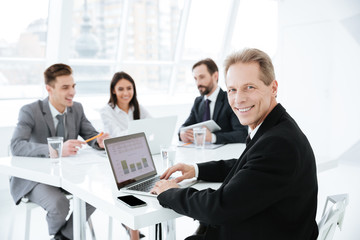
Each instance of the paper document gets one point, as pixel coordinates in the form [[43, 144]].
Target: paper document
[[207, 145]]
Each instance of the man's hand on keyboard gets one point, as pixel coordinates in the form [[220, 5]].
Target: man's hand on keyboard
[[164, 185], [188, 172]]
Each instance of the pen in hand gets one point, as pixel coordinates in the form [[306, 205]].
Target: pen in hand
[[186, 144], [92, 138]]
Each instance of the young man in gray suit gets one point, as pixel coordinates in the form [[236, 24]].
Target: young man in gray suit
[[40, 120], [212, 104]]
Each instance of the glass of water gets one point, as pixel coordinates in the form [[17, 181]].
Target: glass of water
[[199, 137], [55, 148], [168, 153]]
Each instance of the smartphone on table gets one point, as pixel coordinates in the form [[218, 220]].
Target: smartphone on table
[[131, 201]]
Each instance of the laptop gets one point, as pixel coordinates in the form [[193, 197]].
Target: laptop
[[158, 131], [132, 164]]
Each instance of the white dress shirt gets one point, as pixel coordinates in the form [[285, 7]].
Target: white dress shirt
[[253, 132], [116, 121], [212, 98]]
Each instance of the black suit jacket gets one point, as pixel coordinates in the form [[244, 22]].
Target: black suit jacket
[[231, 129], [270, 192]]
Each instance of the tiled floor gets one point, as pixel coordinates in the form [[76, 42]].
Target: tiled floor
[[343, 179]]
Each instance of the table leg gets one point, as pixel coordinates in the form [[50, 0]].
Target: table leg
[[79, 218], [169, 230]]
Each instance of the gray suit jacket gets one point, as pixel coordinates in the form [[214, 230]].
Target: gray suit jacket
[[35, 125]]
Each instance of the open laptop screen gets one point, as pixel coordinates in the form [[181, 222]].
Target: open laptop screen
[[130, 158]]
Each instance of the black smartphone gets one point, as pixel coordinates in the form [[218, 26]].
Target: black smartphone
[[131, 201]]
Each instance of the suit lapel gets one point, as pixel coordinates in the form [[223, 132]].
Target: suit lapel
[[270, 121], [47, 115], [218, 105]]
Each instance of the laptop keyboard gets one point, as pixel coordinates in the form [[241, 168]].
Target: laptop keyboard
[[145, 186]]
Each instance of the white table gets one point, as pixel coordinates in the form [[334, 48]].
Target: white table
[[94, 183], [35, 169], [89, 178]]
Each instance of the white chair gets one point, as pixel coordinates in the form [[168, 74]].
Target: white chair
[[29, 207], [5, 151], [6, 134], [332, 216]]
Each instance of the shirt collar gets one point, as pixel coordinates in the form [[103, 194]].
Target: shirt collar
[[119, 110], [253, 132], [213, 96], [54, 111]]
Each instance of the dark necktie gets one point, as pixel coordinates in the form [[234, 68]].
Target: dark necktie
[[207, 110], [248, 139], [60, 130]]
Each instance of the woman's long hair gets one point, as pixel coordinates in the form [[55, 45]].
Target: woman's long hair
[[113, 99]]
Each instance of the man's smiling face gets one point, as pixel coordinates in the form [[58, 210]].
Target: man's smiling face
[[62, 92], [249, 97]]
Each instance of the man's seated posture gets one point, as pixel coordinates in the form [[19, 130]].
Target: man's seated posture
[[56, 115], [270, 192]]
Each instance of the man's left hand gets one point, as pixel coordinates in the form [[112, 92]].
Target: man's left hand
[[164, 185]]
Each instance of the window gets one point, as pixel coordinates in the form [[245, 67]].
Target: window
[[205, 29], [23, 40], [137, 37], [155, 41]]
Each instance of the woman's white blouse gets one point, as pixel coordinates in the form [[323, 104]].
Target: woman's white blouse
[[116, 120]]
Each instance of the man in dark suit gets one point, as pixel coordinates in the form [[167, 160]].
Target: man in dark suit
[[40, 120], [270, 192], [212, 104]]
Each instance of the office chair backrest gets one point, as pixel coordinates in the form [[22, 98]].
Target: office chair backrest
[[332, 216], [6, 134]]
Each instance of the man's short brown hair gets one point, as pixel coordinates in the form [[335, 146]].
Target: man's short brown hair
[[209, 63], [253, 55], [54, 71]]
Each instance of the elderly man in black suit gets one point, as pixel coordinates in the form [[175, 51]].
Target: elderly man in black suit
[[270, 192], [212, 104]]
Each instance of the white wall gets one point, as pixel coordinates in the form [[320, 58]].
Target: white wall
[[317, 67]]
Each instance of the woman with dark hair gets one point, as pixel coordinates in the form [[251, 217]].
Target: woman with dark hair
[[123, 105]]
